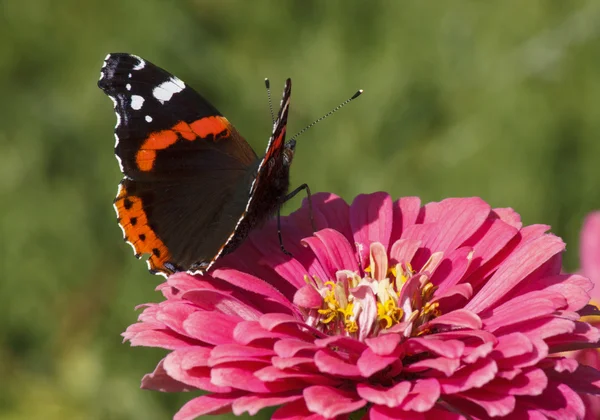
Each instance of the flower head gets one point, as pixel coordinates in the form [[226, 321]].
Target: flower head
[[450, 310]]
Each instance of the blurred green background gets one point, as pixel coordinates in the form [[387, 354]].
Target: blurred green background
[[493, 99]]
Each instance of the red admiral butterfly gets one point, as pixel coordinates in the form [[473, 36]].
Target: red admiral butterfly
[[193, 187]]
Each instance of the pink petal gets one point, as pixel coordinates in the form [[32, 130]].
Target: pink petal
[[495, 405], [470, 376], [371, 218], [585, 379], [590, 249], [159, 380], [405, 210], [265, 240], [223, 302], [390, 396], [241, 376], [422, 396], [557, 402], [349, 344], [331, 402], [308, 297], [211, 327], [509, 216], [327, 362], [403, 251], [291, 347], [335, 212], [287, 326], [462, 218], [378, 261], [447, 348], [196, 377], [511, 345], [378, 412], [206, 404], [248, 332], [150, 337], [523, 308], [530, 382], [298, 378], [252, 284], [368, 314], [254, 403], [173, 315], [488, 241], [522, 262], [369, 363], [441, 364], [333, 251], [461, 318], [478, 352], [539, 352], [295, 410], [383, 344], [454, 297], [292, 362], [574, 288], [234, 352], [452, 268]]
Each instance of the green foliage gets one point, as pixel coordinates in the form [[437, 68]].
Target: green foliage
[[492, 99]]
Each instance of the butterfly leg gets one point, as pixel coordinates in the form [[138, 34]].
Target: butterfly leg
[[310, 213], [285, 251], [308, 197]]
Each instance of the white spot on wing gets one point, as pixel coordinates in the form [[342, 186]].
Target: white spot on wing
[[148, 118], [128, 86], [115, 103], [136, 102], [140, 65], [165, 91]]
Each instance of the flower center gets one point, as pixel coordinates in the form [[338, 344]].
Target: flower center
[[392, 299]]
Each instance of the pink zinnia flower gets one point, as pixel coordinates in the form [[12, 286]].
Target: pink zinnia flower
[[451, 310], [589, 252]]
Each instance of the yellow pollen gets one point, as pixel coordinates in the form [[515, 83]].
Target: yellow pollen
[[350, 324], [427, 291], [332, 305], [389, 313]]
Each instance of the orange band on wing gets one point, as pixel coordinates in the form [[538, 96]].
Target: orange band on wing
[[134, 221], [217, 126]]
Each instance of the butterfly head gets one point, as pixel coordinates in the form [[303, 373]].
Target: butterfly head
[[288, 152]]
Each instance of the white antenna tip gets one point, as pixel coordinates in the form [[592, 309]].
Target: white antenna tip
[[357, 94]]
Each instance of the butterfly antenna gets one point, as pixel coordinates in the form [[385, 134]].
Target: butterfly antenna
[[337, 108], [268, 86]]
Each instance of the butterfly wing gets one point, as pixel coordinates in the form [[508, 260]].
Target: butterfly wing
[[187, 170], [271, 181]]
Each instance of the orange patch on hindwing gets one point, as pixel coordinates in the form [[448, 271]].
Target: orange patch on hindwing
[[218, 127], [133, 220]]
